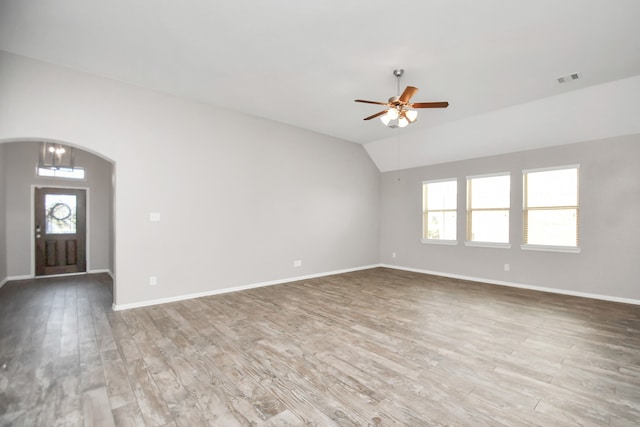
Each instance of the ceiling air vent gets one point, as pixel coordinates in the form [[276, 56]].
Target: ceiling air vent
[[568, 78]]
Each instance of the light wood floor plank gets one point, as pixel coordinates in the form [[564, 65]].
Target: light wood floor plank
[[372, 348]]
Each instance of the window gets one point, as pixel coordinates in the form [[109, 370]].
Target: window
[[61, 213], [75, 173], [488, 202], [439, 206], [550, 211]]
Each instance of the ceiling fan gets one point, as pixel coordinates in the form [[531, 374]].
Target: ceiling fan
[[401, 112]]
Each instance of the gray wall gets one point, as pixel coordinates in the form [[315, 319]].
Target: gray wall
[[609, 226], [3, 227], [240, 197], [21, 159]]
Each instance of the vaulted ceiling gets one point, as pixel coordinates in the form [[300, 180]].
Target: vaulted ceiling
[[303, 63]]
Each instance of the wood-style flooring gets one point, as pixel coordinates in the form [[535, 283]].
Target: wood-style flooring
[[379, 348]]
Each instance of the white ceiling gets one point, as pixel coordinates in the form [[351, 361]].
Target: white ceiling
[[303, 63]]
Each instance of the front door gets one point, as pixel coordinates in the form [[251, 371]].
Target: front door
[[60, 221]]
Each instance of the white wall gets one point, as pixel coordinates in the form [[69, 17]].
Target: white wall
[[240, 198], [20, 176], [595, 112], [3, 228], [609, 227]]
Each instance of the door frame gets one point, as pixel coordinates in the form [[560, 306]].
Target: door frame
[[32, 233]]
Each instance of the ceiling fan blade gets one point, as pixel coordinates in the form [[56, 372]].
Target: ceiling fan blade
[[429, 105], [375, 115], [370, 102], [407, 94]]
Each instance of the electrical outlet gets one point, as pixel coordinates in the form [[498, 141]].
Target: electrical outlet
[[297, 263], [153, 280], [507, 267], [393, 254]]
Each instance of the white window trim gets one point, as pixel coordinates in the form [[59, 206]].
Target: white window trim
[[550, 248], [489, 175], [551, 168], [498, 245], [57, 177], [431, 181], [440, 241]]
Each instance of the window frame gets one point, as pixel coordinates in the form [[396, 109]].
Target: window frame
[[470, 210], [426, 210], [526, 209], [58, 173]]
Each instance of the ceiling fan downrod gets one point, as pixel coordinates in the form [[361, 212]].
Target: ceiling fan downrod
[[398, 73], [393, 100]]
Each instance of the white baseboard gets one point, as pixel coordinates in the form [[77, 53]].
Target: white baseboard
[[100, 270], [118, 307], [517, 285], [49, 276], [21, 277]]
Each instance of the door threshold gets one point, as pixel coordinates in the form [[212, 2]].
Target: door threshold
[[80, 273]]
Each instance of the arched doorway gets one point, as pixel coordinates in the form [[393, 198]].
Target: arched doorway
[[19, 178]]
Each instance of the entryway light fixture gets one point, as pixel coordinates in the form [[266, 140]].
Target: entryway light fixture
[[55, 156]]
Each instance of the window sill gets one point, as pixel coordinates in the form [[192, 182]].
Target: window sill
[[488, 245], [440, 241], [549, 248]]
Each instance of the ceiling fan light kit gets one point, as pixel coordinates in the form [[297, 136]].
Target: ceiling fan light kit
[[400, 112]]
